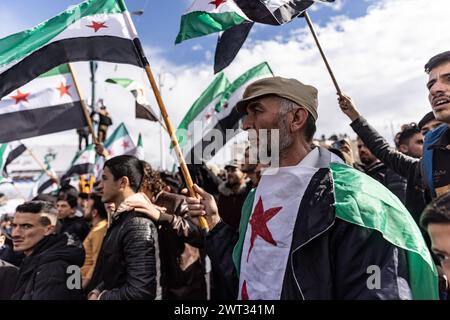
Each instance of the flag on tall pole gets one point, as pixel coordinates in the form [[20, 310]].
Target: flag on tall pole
[[223, 115], [93, 30], [45, 105], [142, 106]]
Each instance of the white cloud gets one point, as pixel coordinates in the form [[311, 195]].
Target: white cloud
[[197, 47]]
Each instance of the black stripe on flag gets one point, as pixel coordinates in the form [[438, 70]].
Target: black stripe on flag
[[13, 155], [101, 48], [45, 185], [144, 112], [36, 122], [229, 122], [78, 170]]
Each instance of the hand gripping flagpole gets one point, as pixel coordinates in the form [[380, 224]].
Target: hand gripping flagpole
[[83, 105], [168, 123], [308, 21]]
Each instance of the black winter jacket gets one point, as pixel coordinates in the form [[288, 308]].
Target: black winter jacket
[[8, 278], [76, 226], [44, 274], [125, 268]]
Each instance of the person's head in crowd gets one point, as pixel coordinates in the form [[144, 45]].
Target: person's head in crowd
[[436, 220], [286, 105], [438, 70], [83, 199], [66, 203], [367, 158], [95, 209], [33, 221], [152, 184], [428, 122], [5, 222], [172, 181], [121, 178], [3, 237], [410, 141], [345, 148], [235, 176]]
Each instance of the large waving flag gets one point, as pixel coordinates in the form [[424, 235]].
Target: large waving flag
[[93, 30], [120, 142], [352, 196], [142, 106], [202, 109], [223, 115], [206, 16], [45, 105]]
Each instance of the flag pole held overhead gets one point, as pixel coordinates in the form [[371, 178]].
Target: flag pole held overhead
[[83, 105], [308, 21]]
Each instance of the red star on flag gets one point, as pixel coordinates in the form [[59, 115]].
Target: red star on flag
[[84, 157], [20, 96], [97, 25], [244, 293], [259, 224], [125, 144], [110, 152], [63, 90], [208, 115], [217, 3]]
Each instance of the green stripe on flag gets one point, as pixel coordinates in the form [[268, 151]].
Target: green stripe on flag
[[201, 23], [255, 72], [3, 156], [363, 201], [62, 69], [18, 45], [124, 82], [214, 89], [121, 131]]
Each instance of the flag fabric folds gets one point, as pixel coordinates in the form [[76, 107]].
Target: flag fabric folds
[[99, 30], [205, 17], [47, 104], [12, 151]]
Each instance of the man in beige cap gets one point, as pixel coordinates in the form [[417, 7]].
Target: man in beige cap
[[308, 231]]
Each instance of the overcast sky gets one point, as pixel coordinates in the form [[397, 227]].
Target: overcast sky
[[376, 48]]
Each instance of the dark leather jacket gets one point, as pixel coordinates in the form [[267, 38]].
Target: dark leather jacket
[[125, 268]]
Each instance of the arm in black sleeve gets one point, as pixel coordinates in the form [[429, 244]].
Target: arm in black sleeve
[[402, 164], [139, 252], [219, 244]]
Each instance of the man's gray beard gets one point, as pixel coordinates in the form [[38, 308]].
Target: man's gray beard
[[284, 137]]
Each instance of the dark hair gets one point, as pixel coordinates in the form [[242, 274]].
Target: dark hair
[[438, 211], [126, 166], [151, 182], [407, 133], [70, 198], [99, 206], [437, 60], [426, 118], [37, 207], [310, 128]]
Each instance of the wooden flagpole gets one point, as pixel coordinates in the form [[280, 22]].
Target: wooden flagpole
[[83, 105], [173, 137], [39, 162], [308, 21]]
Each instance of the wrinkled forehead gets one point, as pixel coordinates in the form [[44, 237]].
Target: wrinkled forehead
[[439, 70]]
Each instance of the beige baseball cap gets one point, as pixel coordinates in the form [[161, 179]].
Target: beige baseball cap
[[291, 89]]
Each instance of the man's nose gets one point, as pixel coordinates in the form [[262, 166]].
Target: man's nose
[[437, 87], [15, 232], [247, 123]]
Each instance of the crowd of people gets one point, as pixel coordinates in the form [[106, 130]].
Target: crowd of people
[[312, 228]]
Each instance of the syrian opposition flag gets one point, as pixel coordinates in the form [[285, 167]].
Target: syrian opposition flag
[[205, 17], [201, 111], [83, 163], [99, 30], [223, 115], [142, 106], [45, 105], [274, 12], [12, 151], [270, 218], [139, 151], [44, 183], [120, 142]]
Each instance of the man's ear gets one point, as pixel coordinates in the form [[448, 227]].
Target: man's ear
[[50, 229], [403, 148], [299, 121], [124, 182]]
